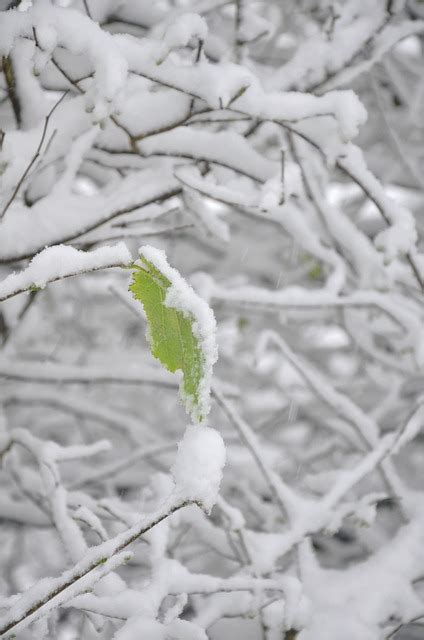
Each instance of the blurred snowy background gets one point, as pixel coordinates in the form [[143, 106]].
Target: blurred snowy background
[[225, 133]]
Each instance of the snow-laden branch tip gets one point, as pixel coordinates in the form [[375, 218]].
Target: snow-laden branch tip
[[198, 467], [62, 261]]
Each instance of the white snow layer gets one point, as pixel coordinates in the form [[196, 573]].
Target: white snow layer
[[197, 470], [62, 261]]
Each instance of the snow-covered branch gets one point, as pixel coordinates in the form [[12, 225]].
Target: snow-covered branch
[[271, 152], [56, 263]]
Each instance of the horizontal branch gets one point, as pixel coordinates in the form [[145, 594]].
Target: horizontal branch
[[56, 263], [107, 471], [53, 372], [78, 406]]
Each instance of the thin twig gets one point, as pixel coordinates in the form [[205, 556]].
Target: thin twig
[[403, 624], [250, 440], [197, 60], [343, 166], [87, 9], [35, 156], [394, 139], [283, 184], [11, 88], [238, 41]]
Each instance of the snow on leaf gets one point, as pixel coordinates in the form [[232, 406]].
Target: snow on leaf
[[181, 327]]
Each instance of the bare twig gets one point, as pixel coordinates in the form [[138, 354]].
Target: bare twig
[[11, 87], [35, 156], [87, 9], [250, 440], [283, 183], [238, 41]]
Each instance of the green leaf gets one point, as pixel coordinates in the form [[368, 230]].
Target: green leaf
[[315, 272], [171, 336]]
